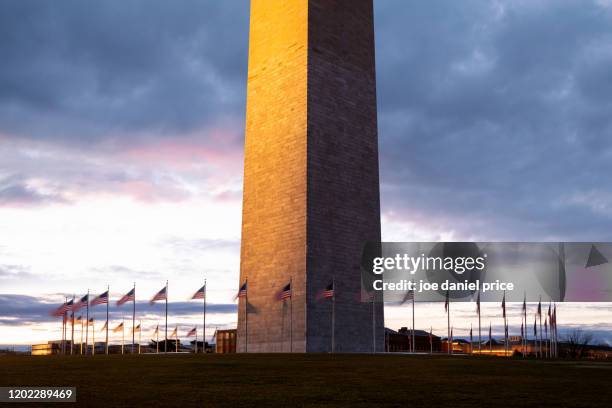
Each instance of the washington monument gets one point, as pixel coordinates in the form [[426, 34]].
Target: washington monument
[[311, 184]]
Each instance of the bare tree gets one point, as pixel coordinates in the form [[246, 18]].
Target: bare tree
[[576, 341]]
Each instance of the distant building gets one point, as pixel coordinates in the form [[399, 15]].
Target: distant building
[[225, 341], [201, 345], [401, 340], [459, 346], [47, 349], [172, 345], [50, 347]]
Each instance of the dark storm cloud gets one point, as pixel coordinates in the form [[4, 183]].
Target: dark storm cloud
[[496, 115], [21, 309], [87, 70]]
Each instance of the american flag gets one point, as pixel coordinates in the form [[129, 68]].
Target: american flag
[[525, 303], [408, 296], [522, 330], [156, 329], [118, 328], [91, 321], [286, 292], [128, 297], [79, 318], [61, 310], [200, 294], [174, 332], [137, 328], [81, 303], [192, 332], [540, 307], [242, 292], [535, 326], [329, 290], [100, 299], [105, 326], [161, 295]]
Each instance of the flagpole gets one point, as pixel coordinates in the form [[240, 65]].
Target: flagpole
[[430, 340], [506, 335], [413, 326], [490, 340], [479, 333], [525, 318], [547, 341], [66, 332], [479, 326], [107, 306], [133, 318], [449, 346], [166, 343], [176, 339], [540, 314], [203, 324], [246, 316], [87, 327], [556, 332], [522, 336], [373, 326], [63, 344], [122, 336], [81, 344], [333, 333], [157, 339], [556, 344], [139, 335], [535, 335], [72, 329], [505, 325], [552, 336], [471, 341], [93, 335], [291, 316], [65, 319]]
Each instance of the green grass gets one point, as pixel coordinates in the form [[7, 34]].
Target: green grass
[[315, 380]]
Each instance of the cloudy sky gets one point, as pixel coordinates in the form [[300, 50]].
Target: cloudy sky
[[121, 143]]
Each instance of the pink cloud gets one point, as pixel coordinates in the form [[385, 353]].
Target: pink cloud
[[147, 168], [216, 147]]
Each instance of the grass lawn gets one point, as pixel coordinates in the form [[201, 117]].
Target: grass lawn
[[315, 380]]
